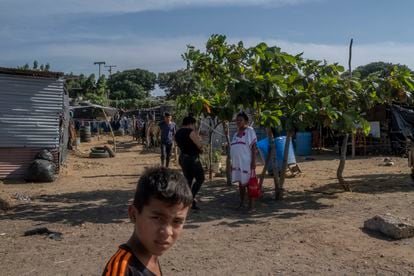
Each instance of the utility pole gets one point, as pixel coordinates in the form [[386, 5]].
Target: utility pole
[[110, 68], [99, 63]]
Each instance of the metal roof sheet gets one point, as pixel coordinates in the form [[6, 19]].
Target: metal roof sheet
[[30, 111]]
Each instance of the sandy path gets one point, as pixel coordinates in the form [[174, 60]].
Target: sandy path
[[315, 230]]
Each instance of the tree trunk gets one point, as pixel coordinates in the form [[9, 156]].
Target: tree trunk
[[228, 157], [210, 150], [285, 164], [263, 173], [342, 164], [275, 168]]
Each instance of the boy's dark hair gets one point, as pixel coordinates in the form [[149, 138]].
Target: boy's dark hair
[[167, 114], [189, 120], [163, 184], [243, 115]]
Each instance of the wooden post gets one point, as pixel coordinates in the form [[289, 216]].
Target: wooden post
[[353, 145], [228, 157], [350, 76], [99, 130], [285, 164], [110, 127], [275, 168], [210, 150]]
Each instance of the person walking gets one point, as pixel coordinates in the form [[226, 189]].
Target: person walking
[[168, 129], [190, 145], [243, 156]]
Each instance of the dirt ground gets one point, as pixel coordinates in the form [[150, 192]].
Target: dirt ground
[[315, 230]]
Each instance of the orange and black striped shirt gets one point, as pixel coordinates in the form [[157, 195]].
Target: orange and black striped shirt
[[124, 263]]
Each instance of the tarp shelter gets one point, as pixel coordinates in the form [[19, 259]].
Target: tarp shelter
[[92, 112], [94, 115], [33, 116], [402, 121]]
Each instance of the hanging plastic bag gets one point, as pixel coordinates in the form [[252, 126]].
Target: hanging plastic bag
[[253, 187]]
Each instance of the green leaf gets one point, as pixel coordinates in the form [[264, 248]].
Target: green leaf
[[288, 58], [409, 82]]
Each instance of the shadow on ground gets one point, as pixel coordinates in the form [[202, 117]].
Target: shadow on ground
[[113, 175], [126, 146], [372, 184], [151, 150], [102, 206], [218, 202], [110, 206]]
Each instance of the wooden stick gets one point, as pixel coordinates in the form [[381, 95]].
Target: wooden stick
[[350, 76], [110, 127]]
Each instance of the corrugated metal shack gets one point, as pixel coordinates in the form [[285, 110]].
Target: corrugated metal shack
[[33, 116]]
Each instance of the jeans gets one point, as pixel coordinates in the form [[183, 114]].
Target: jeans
[[165, 154], [192, 168]]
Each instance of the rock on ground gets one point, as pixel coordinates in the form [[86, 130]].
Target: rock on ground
[[391, 226], [6, 202]]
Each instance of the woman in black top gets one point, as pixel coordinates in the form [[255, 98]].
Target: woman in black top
[[190, 147]]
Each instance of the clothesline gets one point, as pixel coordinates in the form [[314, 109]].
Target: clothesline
[[214, 130]]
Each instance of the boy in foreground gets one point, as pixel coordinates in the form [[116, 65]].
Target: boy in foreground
[[159, 210]]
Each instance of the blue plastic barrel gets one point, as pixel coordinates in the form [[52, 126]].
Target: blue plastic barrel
[[280, 148], [303, 143], [263, 146]]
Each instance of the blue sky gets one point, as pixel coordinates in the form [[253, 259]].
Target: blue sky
[[152, 34]]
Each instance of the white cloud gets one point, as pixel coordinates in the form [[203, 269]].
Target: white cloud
[[154, 54], [50, 7], [164, 54], [361, 53]]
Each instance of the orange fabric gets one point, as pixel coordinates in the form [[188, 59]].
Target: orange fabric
[[124, 264], [108, 266], [117, 261], [111, 261]]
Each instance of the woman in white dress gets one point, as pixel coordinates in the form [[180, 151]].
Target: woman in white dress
[[243, 155]]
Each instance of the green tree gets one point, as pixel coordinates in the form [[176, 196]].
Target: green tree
[[88, 88], [272, 86], [135, 83], [96, 93], [35, 65], [286, 91], [383, 68], [177, 83], [214, 75], [126, 89]]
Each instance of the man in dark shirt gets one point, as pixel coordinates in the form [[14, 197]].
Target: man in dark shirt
[[168, 129]]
